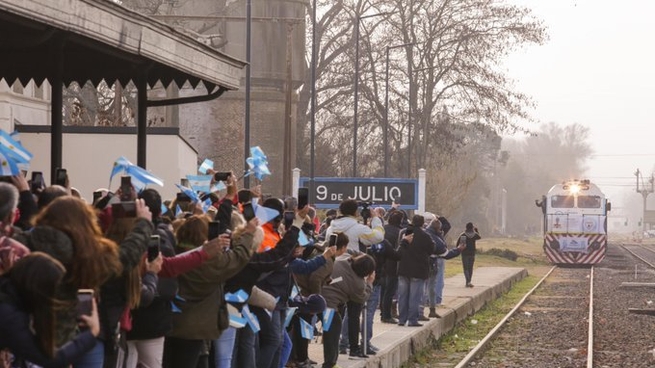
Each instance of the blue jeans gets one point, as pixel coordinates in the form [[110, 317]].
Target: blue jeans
[[94, 358], [371, 307], [438, 290], [287, 346], [410, 291], [244, 353], [271, 338], [223, 347], [434, 285]]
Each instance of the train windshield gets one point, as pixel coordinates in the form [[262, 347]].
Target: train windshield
[[589, 201], [561, 201]]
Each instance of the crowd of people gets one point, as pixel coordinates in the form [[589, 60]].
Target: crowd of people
[[133, 281]]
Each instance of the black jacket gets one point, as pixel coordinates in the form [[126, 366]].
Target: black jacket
[[16, 335], [392, 236], [415, 257], [471, 237], [383, 253], [156, 320]]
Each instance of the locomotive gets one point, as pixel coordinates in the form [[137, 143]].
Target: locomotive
[[575, 223]]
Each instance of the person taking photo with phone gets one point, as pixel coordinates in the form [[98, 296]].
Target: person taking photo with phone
[[468, 239]]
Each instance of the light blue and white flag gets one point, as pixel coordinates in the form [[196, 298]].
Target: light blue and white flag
[[264, 214], [142, 177], [8, 166], [303, 240], [239, 297], [164, 209], [120, 166], [218, 186], [190, 193], [294, 292], [306, 330], [258, 163], [14, 149], [206, 165], [178, 210], [200, 183], [206, 205], [290, 312], [328, 316], [236, 319], [251, 318]]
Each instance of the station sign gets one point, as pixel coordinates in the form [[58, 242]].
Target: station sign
[[329, 192]]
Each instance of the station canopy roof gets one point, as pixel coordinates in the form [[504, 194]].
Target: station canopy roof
[[101, 40]]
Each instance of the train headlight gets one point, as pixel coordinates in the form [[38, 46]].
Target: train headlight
[[574, 189]]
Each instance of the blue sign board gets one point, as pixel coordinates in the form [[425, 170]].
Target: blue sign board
[[329, 192]]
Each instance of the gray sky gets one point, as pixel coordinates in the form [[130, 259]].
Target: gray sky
[[598, 70]]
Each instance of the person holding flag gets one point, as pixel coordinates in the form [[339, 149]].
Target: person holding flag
[[352, 281]]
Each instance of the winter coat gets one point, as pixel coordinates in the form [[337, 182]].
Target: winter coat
[[357, 232], [415, 256], [471, 238], [314, 282], [201, 290], [156, 320], [441, 249], [392, 235], [17, 336], [351, 288]]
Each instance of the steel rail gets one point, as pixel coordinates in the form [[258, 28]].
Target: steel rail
[[590, 338], [469, 357], [638, 256]]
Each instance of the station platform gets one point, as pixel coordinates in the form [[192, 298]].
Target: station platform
[[397, 343]]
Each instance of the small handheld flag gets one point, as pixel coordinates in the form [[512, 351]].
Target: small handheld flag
[[239, 297], [200, 183], [236, 319], [206, 165], [251, 318], [294, 291], [258, 163], [328, 315], [178, 210], [306, 329], [303, 240], [290, 312], [190, 193]]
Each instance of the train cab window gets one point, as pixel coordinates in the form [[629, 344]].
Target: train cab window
[[561, 201], [589, 202]]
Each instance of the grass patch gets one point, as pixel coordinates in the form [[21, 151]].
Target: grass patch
[[502, 253], [451, 347]]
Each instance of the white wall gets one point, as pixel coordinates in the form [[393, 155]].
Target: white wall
[[89, 159]]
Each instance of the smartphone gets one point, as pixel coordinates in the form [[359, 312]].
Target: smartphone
[[288, 219], [184, 182], [153, 248], [216, 228], [181, 197], [37, 181], [123, 210], [303, 197], [333, 240], [409, 230], [462, 239], [96, 196], [84, 305], [248, 212], [126, 188], [222, 176], [396, 200], [60, 177]]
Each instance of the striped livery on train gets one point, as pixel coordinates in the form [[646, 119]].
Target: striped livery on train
[[575, 223]]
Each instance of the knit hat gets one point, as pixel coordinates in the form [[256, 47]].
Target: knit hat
[[312, 304]]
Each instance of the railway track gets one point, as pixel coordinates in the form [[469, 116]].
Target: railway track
[[555, 328]]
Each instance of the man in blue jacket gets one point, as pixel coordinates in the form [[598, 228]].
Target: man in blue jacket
[[438, 227]]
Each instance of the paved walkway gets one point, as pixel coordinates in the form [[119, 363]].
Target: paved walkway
[[398, 343]]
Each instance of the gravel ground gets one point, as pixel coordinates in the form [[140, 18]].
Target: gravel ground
[[550, 330], [622, 339]]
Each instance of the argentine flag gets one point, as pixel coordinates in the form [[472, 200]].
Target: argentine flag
[[14, 148], [328, 316], [200, 183], [290, 312], [8, 166], [251, 318], [206, 165], [239, 297], [306, 329]]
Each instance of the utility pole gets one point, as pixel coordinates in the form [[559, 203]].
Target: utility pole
[[286, 179], [644, 190]]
